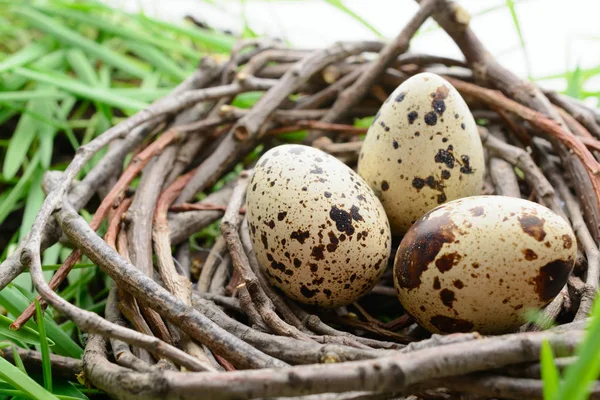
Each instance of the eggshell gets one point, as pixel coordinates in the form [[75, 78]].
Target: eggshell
[[422, 150], [318, 230], [476, 264]]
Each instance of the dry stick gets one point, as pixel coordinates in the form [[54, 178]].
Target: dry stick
[[248, 127], [315, 324], [455, 21], [109, 165], [285, 348], [585, 238], [229, 229], [503, 173], [519, 158], [121, 351], [221, 276], [179, 285], [539, 121], [278, 300], [128, 304], [211, 263], [384, 375], [581, 114], [356, 92], [139, 229], [318, 125], [136, 165], [146, 290], [184, 224], [330, 92]]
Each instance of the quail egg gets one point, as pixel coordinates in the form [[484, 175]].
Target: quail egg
[[318, 230], [422, 150], [477, 263]]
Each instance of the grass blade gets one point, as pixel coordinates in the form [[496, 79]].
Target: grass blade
[[73, 38], [16, 378], [513, 13], [18, 360], [210, 40], [45, 349], [159, 60], [26, 95], [550, 375], [81, 90], [15, 302], [582, 374], [119, 30], [7, 205], [340, 6], [33, 203], [25, 335], [20, 141], [24, 56]]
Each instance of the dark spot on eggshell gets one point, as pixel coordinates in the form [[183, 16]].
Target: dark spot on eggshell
[[395, 144], [385, 185], [327, 292], [297, 262], [430, 118], [439, 106], [533, 226], [333, 242], [316, 170], [412, 116], [458, 284], [300, 235], [281, 215], [420, 247], [254, 187], [530, 255], [354, 211], [342, 219], [295, 149], [445, 174], [263, 238], [466, 165], [270, 224], [463, 125], [447, 261], [306, 292], [400, 97], [451, 325], [551, 279], [327, 194], [447, 297], [436, 283], [418, 183], [361, 197], [445, 157], [477, 211], [567, 241], [317, 252]]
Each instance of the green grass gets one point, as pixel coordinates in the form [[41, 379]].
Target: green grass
[[68, 71], [582, 374]]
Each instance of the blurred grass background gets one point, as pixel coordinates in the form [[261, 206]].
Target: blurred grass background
[[68, 71]]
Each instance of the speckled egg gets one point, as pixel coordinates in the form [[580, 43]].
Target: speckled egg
[[422, 150], [476, 264], [317, 229]]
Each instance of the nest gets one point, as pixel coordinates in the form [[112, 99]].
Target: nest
[[226, 333]]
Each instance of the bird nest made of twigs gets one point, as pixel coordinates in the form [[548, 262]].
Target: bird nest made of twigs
[[223, 331]]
